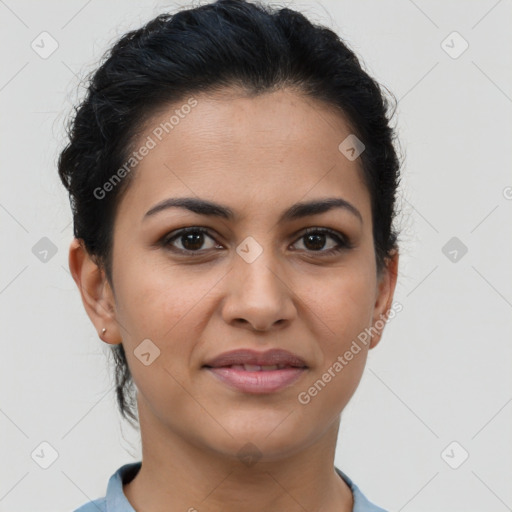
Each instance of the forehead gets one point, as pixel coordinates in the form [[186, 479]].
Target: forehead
[[250, 152]]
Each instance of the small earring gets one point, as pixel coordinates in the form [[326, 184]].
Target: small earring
[[104, 330]]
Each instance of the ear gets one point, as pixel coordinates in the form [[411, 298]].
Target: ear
[[96, 292], [384, 297]]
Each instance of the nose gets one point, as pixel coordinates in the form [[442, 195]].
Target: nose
[[259, 297]]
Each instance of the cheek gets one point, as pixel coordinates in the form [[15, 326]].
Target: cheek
[[342, 303], [348, 309], [167, 306], [151, 296]]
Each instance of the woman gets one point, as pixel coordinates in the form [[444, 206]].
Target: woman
[[232, 177]]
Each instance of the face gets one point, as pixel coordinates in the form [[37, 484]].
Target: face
[[306, 284]]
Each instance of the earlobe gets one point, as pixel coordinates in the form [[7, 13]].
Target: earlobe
[[95, 291], [384, 299]]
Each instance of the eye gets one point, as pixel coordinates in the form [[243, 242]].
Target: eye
[[191, 239], [314, 240]]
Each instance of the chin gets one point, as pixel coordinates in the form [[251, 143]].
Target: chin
[[262, 437]]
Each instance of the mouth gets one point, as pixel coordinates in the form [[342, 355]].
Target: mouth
[[257, 373], [255, 367]]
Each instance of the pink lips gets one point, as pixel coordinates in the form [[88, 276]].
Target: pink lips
[[257, 372]]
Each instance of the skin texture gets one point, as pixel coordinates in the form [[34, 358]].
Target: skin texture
[[258, 156]]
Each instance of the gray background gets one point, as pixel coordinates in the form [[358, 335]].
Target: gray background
[[441, 372]]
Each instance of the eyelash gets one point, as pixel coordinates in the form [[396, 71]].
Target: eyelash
[[343, 242]]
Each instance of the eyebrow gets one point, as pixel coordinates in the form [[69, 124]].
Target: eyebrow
[[297, 211]]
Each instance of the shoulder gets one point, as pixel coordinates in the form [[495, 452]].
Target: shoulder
[[361, 502], [114, 500]]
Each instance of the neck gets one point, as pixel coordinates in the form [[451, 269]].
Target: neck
[[178, 475]]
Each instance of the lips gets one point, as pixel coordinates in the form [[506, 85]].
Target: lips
[[253, 372], [257, 367], [251, 360]]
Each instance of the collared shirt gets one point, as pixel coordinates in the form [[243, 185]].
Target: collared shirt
[[116, 501]]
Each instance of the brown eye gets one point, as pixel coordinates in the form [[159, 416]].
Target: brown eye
[[315, 240], [191, 240]]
